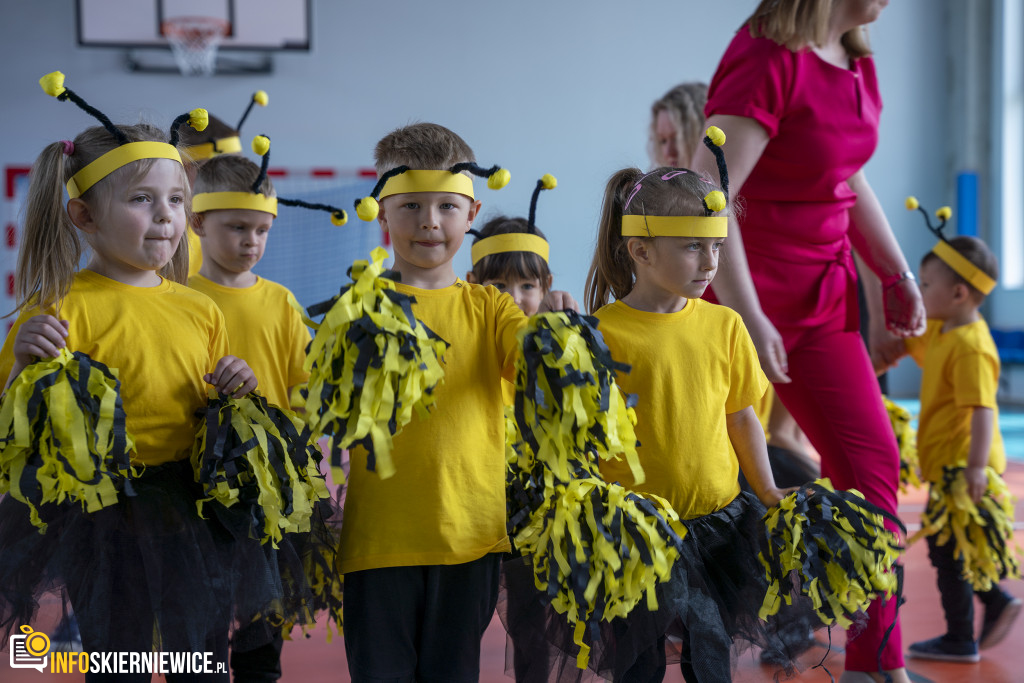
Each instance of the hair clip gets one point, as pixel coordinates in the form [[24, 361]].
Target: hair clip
[[402, 179]]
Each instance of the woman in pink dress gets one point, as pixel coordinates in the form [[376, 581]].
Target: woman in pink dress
[[797, 97]]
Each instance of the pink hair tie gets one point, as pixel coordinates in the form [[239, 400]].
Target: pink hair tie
[[69, 147]]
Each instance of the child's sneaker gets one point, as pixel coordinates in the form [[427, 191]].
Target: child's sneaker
[[945, 650], [998, 621]]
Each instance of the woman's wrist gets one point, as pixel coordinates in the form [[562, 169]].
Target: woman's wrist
[[896, 278]]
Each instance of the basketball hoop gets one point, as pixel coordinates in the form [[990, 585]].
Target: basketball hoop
[[194, 42]]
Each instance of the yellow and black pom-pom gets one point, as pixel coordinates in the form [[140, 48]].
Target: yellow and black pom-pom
[[831, 546], [63, 435], [982, 533], [318, 551], [53, 83], [199, 119], [252, 453], [906, 439], [596, 549], [371, 364]]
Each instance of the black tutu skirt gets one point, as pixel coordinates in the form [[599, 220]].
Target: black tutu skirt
[[707, 612], [148, 571]]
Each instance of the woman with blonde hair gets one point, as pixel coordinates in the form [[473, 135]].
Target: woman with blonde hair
[[797, 95], [677, 125]]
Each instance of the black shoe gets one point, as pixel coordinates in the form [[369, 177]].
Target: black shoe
[[945, 650], [998, 621]]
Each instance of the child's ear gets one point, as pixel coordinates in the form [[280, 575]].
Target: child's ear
[[197, 224], [471, 278], [474, 209], [961, 292], [638, 250], [81, 216], [547, 285]]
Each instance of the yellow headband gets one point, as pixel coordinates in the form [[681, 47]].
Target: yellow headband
[[100, 168], [208, 150], [675, 226], [513, 241], [212, 201], [978, 278], [428, 181]]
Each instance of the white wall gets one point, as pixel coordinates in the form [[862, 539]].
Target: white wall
[[559, 87]]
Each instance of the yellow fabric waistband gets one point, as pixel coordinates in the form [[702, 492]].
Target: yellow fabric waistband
[[675, 226], [115, 159], [514, 241], [428, 181], [964, 268], [212, 201]]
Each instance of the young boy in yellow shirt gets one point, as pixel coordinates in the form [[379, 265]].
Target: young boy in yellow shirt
[[233, 224], [421, 550], [959, 424]]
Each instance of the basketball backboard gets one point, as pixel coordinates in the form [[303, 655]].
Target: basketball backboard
[[264, 25]]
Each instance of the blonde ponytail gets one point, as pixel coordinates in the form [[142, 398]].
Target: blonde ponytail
[[50, 249]]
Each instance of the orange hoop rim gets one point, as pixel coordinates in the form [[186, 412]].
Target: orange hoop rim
[[190, 26]]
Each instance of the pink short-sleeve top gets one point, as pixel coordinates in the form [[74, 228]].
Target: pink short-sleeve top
[[822, 124]]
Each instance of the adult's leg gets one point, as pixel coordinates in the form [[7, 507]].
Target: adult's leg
[[835, 399], [459, 603]]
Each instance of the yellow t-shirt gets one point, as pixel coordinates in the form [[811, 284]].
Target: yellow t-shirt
[[162, 340], [690, 369], [960, 370], [263, 330], [446, 502], [195, 252]]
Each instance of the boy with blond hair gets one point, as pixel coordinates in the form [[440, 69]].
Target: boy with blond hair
[[421, 550]]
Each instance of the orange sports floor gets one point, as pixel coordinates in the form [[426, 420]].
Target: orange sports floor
[[313, 660]]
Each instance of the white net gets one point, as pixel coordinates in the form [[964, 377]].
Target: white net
[[307, 253], [194, 42]]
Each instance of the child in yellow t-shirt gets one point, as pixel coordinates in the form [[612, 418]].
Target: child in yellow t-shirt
[[218, 138], [145, 568], [263, 327], [512, 255], [959, 426], [696, 376], [421, 550]]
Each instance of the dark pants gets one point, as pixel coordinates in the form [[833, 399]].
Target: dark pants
[[956, 593], [261, 665], [419, 624]]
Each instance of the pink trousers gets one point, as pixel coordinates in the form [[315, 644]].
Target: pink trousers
[[835, 399]]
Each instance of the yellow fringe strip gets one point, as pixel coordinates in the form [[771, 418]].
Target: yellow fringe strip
[[63, 436]]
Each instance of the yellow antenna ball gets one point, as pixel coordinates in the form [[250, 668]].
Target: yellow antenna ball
[[717, 135], [499, 179], [261, 145], [199, 119], [53, 83], [944, 213], [548, 181], [715, 200], [911, 203], [339, 218], [367, 209], [260, 98]]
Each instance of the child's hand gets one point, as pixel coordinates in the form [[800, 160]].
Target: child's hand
[[904, 309], [557, 300], [41, 336], [977, 482], [232, 376], [773, 495]]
